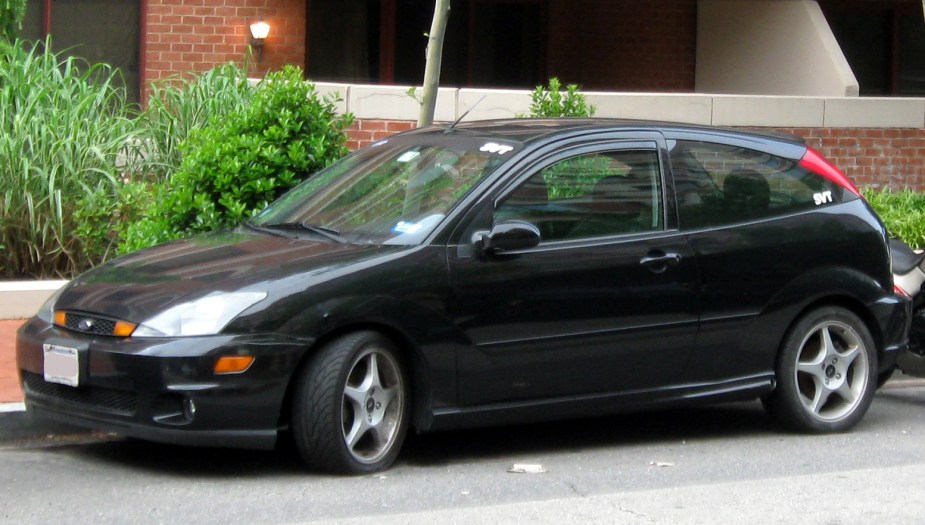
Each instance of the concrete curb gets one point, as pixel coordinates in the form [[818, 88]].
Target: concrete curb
[[16, 424]]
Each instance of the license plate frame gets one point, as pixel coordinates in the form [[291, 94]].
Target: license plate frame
[[61, 364]]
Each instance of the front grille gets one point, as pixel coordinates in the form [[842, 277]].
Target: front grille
[[89, 324], [121, 401]]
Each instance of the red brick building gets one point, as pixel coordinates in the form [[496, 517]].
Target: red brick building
[[807, 48], [614, 45]]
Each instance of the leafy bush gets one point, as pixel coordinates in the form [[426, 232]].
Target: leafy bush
[[11, 15], [177, 106], [65, 135], [551, 101], [235, 166], [903, 213]]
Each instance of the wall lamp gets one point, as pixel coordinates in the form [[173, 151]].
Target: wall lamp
[[259, 32]]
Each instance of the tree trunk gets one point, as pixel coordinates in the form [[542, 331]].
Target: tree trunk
[[432, 66]]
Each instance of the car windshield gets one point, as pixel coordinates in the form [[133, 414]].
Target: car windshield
[[393, 192]]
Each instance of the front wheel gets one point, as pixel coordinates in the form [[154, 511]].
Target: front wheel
[[350, 406], [826, 373]]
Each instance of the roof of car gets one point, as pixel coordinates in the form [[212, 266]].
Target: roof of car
[[528, 129]]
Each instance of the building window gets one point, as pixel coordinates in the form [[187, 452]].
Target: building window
[[99, 31], [884, 43], [488, 43]]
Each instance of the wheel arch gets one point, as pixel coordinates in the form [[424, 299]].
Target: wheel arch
[[842, 287], [408, 349], [853, 305]]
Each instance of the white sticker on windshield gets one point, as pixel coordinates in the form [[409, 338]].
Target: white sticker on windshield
[[406, 227], [492, 147], [408, 156]]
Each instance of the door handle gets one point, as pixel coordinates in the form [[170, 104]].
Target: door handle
[[658, 261]]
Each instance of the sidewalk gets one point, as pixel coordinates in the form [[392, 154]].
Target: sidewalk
[[9, 377]]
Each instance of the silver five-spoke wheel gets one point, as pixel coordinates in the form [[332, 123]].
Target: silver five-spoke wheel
[[371, 412], [832, 370], [350, 405], [826, 372]]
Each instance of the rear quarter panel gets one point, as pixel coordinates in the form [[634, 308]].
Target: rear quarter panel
[[759, 277]]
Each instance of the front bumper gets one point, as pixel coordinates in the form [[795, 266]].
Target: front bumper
[[164, 389]]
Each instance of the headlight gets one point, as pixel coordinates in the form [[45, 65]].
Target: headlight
[[205, 316], [47, 311]]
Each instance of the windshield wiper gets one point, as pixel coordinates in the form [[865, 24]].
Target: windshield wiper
[[328, 233], [263, 229]]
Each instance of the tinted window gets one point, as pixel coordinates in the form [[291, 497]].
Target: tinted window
[[590, 195], [718, 184], [394, 192]]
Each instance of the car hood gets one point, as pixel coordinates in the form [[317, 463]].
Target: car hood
[[142, 284]]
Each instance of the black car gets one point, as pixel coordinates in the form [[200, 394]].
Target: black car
[[489, 273]]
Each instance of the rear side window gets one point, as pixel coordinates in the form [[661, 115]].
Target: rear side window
[[718, 184]]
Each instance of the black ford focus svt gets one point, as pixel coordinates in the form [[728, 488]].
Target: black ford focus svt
[[488, 273]]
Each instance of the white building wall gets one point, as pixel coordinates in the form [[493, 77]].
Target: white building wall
[[769, 47]]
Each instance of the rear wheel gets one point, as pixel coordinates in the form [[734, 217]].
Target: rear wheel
[[350, 407], [826, 373], [885, 376]]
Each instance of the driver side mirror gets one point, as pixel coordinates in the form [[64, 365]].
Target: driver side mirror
[[506, 237]]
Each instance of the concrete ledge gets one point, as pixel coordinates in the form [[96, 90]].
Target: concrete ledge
[[22, 299], [692, 109], [497, 103], [797, 112], [874, 113], [393, 103], [329, 88]]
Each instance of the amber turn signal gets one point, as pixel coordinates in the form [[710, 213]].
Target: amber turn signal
[[60, 318], [233, 364], [123, 328]]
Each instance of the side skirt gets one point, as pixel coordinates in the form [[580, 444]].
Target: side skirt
[[739, 389]]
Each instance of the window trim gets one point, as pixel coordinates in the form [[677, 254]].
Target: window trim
[[543, 162]]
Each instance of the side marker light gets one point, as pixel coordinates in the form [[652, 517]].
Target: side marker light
[[233, 364]]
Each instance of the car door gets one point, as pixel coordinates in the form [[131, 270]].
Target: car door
[[607, 302]]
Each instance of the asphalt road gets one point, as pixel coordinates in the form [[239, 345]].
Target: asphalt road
[[723, 464]]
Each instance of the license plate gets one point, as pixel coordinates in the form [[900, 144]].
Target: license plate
[[62, 365]]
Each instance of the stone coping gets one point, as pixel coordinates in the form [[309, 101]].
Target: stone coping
[[22, 299], [394, 103]]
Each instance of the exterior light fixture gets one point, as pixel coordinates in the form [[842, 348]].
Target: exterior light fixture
[[259, 32]]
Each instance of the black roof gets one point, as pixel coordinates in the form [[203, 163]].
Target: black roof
[[529, 129]]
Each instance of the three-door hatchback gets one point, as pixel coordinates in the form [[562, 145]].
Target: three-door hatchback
[[488, 273]]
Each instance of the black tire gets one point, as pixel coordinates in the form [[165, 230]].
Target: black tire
[[826, 373], [351, 404], [885, 376]]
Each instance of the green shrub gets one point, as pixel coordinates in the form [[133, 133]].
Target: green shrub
[[551, 101], [11, 15], [65, 136], [235, 166], [103, 215], [903, 213], [177, 106]]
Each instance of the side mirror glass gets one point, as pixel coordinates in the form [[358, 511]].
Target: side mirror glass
[[508, 236]]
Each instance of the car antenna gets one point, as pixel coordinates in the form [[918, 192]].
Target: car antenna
[[449, 130]]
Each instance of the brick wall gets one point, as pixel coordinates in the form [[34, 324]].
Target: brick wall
[[196, 35], [879, 157], [869, 156], [624, 45], [364, 132]]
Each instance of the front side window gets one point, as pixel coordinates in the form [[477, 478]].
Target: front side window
[[593, 195], [717, 184], [395, 192]]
